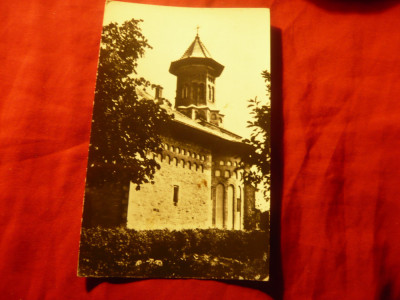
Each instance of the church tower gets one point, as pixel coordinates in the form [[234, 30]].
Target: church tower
[[196, 72]]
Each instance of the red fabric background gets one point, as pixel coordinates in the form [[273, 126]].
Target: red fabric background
[[340, 109]]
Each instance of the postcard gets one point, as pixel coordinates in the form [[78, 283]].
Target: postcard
[[178, 173]]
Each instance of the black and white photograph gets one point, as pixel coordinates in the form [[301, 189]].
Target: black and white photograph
[[178, 173]]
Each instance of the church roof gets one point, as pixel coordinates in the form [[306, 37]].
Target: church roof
[[214, 130], [196, 54], [196, 49]]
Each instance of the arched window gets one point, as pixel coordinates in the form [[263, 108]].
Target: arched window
[[182, 163], [212, 94], [201, 92], [217, 173], [228, 163], [198, 92], [239, 197], [221, 163], [209, 92], [166, 146], [219, 206], [171, 148], [175, 161], [238, 209], [202, 168], [229, 206], [227, 174], [195, 91], [189, 164], [177, 150], [195, 166], [167, 158]]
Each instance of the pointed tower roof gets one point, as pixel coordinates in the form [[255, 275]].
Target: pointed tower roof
[[196, 49], [196, 54]]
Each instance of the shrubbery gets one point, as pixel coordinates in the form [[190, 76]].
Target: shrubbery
[[211, 253]]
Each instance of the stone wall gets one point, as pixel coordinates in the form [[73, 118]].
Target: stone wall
[[186, 168]]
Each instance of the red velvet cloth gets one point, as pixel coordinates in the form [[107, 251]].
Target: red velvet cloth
[[340, 207]]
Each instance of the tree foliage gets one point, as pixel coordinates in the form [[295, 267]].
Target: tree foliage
[[125, 128], [259, 158]]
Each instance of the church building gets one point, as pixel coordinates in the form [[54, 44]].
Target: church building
[[198, 184]]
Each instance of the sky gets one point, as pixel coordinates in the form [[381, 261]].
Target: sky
[[238, 38]]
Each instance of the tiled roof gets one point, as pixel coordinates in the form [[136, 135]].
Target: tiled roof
[[196, 49], [183, 119]]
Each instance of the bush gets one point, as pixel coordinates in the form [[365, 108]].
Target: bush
[[200, 253]]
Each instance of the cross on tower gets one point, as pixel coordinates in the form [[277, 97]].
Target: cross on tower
[[198, 29]]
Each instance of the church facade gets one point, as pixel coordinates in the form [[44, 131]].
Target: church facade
[[198, 184]]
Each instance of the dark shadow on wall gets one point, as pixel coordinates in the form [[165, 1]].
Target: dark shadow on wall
[[355, 6]]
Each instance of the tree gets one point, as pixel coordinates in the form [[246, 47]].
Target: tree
[[125, 129], [259, 158]]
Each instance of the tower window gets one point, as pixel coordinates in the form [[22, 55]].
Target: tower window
[[194, 89], [176, 194], [202, 94]]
